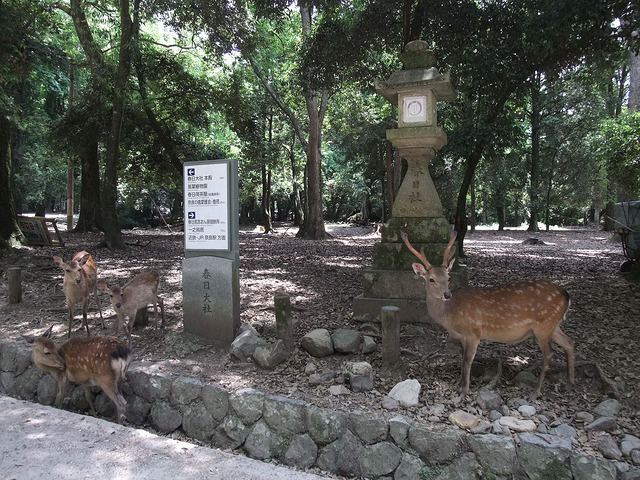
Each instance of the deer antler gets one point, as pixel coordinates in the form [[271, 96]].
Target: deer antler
[[451, 249], [420, 255]]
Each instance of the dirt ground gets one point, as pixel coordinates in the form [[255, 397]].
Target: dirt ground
[[322, 277]]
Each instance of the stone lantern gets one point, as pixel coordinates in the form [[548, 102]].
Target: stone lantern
[[417, 209]]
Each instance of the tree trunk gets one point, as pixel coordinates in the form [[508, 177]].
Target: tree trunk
[[266, 199], [112, 233], [634, 81], [534, 190], [298, 211], [313, 226], [9, 230], [90, 208], [473, 205]]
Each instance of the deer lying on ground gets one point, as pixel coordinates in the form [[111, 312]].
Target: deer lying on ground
[[86, 361], [507, 314], [80, 278], [139, 292]]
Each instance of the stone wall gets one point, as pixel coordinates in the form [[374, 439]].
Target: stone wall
[[299, 434]]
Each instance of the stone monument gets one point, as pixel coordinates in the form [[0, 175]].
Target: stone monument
[[417, 209]]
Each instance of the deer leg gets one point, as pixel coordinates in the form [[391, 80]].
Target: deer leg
[[70, 320], [95, 295], [469, 348], [88, 394], [545, 347], [85, 308], [568, 346], [110, 388], [161, 303], [62, 383]]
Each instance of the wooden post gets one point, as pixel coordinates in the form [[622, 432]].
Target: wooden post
[[284, 322], [390, 336], [14, 287]]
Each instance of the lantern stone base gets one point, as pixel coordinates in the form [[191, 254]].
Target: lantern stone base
[[391, 280]]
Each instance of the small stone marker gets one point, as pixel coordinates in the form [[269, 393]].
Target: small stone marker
[[392, 366], [284, 322], [14, 287]]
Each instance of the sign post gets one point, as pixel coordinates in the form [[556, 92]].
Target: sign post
[[210, 278]]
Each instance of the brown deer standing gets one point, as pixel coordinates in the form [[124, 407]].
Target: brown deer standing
[[80, 279], [139, 292], [86, 361], [507, 314]]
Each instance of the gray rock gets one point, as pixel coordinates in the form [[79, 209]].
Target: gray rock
[[363, 369], [545, 456], [302, 452], [389, 403], [325, 426], [584, 466], [380, 459], [608, 408], [527, 410], [407, 393], [607, 445], [8, 383], [342, 456], [47, 390], [361, 384], [629, 443], [368, 427], [565, 430], [346, 340], [285, 415], [410, 468], [399, 430], [551, 442], [339, 390], [635, 457], [494, 415], [27, 383], [310, 368], [198, 423], [369, 345], [464, 467], [602, 424], [496, 453], [434, 447], [137, 410], [489, 400], [216, 400], [151, 387], [318, 343], [526, 379], [248, 404], [246, 343], [235, 432], [481, 428], [271, 355], [263, 443], [185, 390], [584, 417], [163, 417]]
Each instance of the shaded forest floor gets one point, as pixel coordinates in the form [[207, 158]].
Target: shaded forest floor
[[322, 277]]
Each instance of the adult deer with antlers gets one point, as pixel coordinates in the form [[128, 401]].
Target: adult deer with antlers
[[507, 314]]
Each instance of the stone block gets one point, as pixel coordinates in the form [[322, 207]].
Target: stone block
[[325, 425], [163, 417], [436, 448], [263, 443], [185, 390], [198, 423], [248, 405], [216, 400], [342, 456], [302, 452], [496, 453], [380, 459], [368, 427], [285, 415]]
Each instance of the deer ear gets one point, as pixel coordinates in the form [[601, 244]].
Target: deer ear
[[450, 266], [419, 269]]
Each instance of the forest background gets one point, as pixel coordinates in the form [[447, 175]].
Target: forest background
[[107, 99]]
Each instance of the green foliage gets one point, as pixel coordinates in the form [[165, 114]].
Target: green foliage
[[618, 144]]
